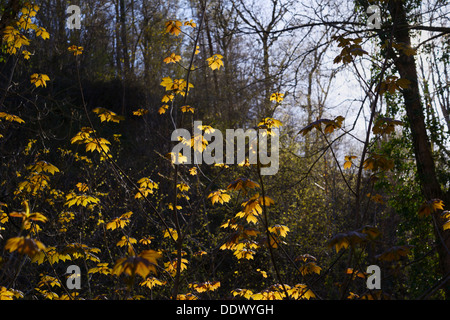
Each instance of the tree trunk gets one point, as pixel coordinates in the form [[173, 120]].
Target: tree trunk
[[426, 169]]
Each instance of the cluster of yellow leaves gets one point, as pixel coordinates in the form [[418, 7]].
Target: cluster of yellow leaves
[[83, 200], [348, 161], [64, 219], [101, 268], [146, 187], [376, 198], [243, 184], [277, 97], [377, 162], [350, 48], [185, 109], [428, 207], [151, 282], [330, 125], [219, 196], [253, 208], [277, 231], [394, 253], [171, 266], [13, 35], [170, 233], [403, 47], [392, 84], [81, 251], [352, 238], [140, 112], [277, 292], [205, 286], [142, 264], [215, 62], [29, 217], [10, 117], [173, 58], [77, 50], [92, 144], [37, 180], [119, 222], [24, 245], [9, 294], [177, 86], [174, 26], [107, 115], [176, 158], [239, 242], [385, 125], [39, 79], [51, 255]]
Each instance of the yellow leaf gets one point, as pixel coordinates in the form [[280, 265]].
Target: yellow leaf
[[173, 58], [215, 62], [107, 115], [190, 23], [41, 32], [173, 27], [39, 79], [430, 206], [77, 50], [171, 233], [140, 112], [163, 109], [279, 230], [219, 196], [187, 109], [11, 117], [24, 245], [277, 97]]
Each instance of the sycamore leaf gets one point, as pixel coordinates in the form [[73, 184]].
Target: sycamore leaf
[[277, 97], [205, 286], [76, 50], [242, 184], [24, 245], [215, 62], [140, 112], [173, 27], [107, 115], [11, 117], [279, 230], [330, 125], [187, 109], [39, 79], [344, 240], [245, 293], [151, 282], [173, 58], [171, 233], [142, 264], [190, 23], [385, 125], [101, 268], [430, 206], [348, 161], [395, 253], [219, 196], [309, 268], [41, 32]]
